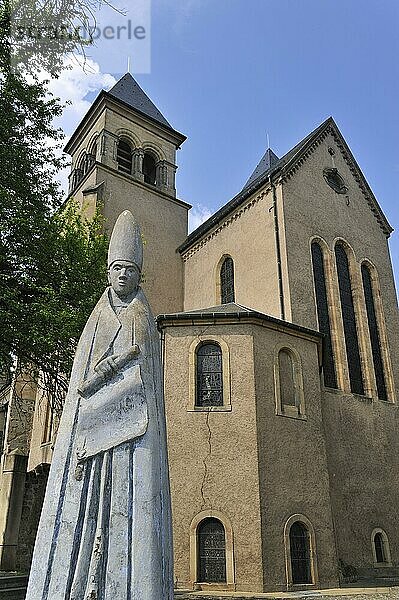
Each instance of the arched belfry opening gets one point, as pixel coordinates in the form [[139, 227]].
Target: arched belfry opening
[[124, 156], [149, 169]]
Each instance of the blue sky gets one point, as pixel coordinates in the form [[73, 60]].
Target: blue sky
[[228, 72]]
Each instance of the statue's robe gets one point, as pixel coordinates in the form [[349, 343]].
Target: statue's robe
[[105, 530]]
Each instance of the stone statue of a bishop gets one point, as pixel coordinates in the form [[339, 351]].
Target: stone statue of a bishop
[[105, 530]]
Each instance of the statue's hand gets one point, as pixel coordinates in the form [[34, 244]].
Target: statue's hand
[[135, 350], [107, 367]]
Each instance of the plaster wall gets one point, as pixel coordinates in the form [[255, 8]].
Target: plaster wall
[[293, 472], [213, 454], [249, 238], [362, 446]]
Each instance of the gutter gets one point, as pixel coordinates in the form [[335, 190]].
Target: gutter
[[278, 249]]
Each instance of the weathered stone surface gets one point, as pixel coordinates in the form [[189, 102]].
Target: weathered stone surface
[[105, 530]]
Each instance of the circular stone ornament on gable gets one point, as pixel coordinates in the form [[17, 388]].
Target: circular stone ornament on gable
[[335, 180]]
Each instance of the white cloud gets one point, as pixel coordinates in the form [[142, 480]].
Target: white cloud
[[76, 81], [197, 215]]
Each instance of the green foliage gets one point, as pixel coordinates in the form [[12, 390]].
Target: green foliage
[[52, 260]]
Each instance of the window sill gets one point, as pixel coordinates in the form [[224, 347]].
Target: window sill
[[389, 402], [291, 414], [226, 587], [301, 586], [383, 565], [226, 408]]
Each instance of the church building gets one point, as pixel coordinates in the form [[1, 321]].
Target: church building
[[279, 325]]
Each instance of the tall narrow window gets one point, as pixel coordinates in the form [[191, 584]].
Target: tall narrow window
[[349, 321], [227, 281], [286, 379], [149, 169], [330, 379], [300, 553], [374, 333], [379, 546], [124, 157], [211, 552], [209, 390]]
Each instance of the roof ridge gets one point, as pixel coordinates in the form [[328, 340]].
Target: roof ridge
[[130, 92]]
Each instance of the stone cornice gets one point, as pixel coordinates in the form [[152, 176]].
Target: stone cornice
[[222, 224], [247, 317]]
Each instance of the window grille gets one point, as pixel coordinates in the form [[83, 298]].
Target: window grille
[[227, 281], [124, 157], [330, 379], [374, 333], [300, 553], [209, 376], [211, 549], [349, 321]]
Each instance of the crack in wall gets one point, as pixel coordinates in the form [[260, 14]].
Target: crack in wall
[[204, 462]]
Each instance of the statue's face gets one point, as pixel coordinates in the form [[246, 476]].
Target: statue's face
[[124, 278]]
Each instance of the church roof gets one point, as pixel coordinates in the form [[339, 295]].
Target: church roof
[[269, 167], [127, 90], [229, 311], [268, 160]]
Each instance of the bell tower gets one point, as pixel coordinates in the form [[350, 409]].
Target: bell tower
[[124, 157]]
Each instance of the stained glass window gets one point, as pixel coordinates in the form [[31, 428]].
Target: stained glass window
[[374, 333], [209, 376], [227, 281], [300, 553], [349, 321], [124, 156], [330, 379], [211, 551]]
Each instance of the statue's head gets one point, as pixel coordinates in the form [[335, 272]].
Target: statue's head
[[125, 256]]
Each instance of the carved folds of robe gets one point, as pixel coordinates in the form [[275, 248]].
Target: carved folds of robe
[[105, 530]]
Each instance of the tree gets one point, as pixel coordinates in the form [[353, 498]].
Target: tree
[[52, 260]]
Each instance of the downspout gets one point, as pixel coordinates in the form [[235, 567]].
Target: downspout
[[278, 250]]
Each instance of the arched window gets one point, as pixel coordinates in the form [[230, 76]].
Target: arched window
[[288, 395], [330, 379], [209, 375], [149, 169], [374, 333], [349, 320], [211, 552], [300, 553], [290, 400], [381, 550], [227, 281], [91, 156], [124, 156]]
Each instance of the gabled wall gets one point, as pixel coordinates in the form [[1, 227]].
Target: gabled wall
[[248, 236]]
